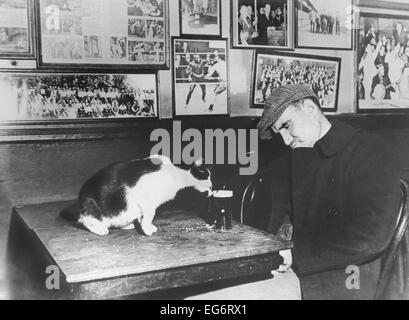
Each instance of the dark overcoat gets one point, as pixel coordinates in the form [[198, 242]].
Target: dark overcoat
[[342, 197]]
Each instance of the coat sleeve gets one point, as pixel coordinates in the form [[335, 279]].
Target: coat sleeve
[[370, 218]]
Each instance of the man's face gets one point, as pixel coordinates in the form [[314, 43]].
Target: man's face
[[268, 9], [298, 127]]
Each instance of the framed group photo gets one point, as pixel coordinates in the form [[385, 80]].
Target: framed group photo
[[200, 77], [51, 97], [272, 70], [262, 24], [103, 34], [16, 32], [383, 63], [200, 17], [324, 24]]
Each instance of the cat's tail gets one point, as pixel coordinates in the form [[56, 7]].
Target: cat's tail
[[71, 213]]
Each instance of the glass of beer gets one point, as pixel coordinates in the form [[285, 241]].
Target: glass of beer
[[221, 209]]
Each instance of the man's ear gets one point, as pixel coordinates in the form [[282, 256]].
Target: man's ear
[[310, 106]]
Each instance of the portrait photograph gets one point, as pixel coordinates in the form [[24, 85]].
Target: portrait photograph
[[383, 63], [262, 24], [200, 17], [49, 97], [15, 30], [324, 24], [321, 74], [200, 77]]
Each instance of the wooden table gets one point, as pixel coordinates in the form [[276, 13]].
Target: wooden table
[[184, 252]]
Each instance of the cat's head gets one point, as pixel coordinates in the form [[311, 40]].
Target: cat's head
[[203, 178]]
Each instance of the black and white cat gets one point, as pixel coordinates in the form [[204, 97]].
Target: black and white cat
[[128, 192]]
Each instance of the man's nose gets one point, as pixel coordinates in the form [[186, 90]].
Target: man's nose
[[287, 138]]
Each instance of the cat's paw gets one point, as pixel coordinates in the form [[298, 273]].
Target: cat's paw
[[149, 229], [99, 230]]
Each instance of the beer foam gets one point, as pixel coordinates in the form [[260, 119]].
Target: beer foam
[[223, 194]]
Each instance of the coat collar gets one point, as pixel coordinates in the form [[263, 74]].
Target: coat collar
[[337, 138]]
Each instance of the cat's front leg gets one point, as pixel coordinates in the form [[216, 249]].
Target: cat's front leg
[[147, 227]]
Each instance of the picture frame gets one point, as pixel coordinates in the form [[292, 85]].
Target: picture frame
[[382, 69], [324, 24], [252, 29], [384, 4], [51, 98], [17, 35], [271, 70], [200, 77], [120, 36], [200, 18]]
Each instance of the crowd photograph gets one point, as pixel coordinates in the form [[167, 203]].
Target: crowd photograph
[[383, 56], [69, 97], [273, 72]]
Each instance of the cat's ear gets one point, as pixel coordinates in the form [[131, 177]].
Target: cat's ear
[[199, 162]]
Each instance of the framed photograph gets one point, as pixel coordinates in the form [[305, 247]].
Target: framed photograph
[[325, 24], [103, 34], [16, 32], [272, 70], [200, 77], [262, 24], [383, 63], [384, 4], [51, 97], [200, 17]]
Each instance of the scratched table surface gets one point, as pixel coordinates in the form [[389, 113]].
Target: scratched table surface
[[183, 239]]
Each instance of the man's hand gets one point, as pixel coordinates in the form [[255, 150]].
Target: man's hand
[[287, 263]]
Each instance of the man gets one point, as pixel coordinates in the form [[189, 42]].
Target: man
[[217, 71], [265, 21], [312, 21], [247, 33], [340, 191], [367, 65], [337, 24], [196, 75], [278, 19], [400, 35], [381, 85]]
